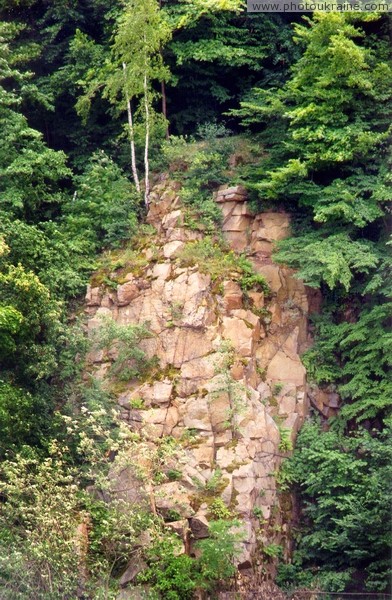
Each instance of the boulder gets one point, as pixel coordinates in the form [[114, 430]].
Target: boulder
[[195, 414], [172, 249], [173, 497], [93, 296], [286, 368], [181, 528], [240, 335], [132, 570], [219, 411], [180, 345], [161, 271], [199, 527], [236, 223], [161, 392], [171, 420], [173, 219], [126, 293], [232, 295]]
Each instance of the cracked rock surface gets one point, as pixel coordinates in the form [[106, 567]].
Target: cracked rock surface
[[229, 419]]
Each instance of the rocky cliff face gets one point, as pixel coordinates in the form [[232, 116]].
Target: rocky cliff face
[[230, 386]]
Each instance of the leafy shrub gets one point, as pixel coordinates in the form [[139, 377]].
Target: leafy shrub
[[272, 550], [258, 513], [174, 474], [201, 169], [37, 548], [215, 258], [61, 263], [115, 527], [219, 550], [35, 337], [168, 572], [333, 258], [24, 418], [249, 278], [123, 341], [285, 443], [10, 322], [211, 130], [214, 482], [175, 576], [104, 209], [219, 509]]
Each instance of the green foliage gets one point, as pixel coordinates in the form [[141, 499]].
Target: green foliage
[[218, 52], [170, 573], [37, 528], [217, 260], [219, 550], [24, 418], [60, 262], [326, 134], [115, 528], [103, 210], [137, 403], [214, 482], [324, 127], [124, 74], [34, 336], [272, 550], [219, 510], [176, 576], [10, 322], [292, 576], [250, 279], [277, 388], [285, 443], [357, 355], [201, 169], [258, 513], [227, 387], [330, 157], [174, 474], [326, 113], [139, 38], [210, 131], [344, 487], [30, 171], [123, 343], [334, 259], [44, 520]]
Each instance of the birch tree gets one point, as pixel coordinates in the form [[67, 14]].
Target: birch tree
[[126, 73], [141, 34]]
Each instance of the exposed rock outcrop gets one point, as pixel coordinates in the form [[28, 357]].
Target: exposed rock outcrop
[[232, 418]]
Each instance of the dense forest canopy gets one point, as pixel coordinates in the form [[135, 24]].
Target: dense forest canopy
[[97, 96]]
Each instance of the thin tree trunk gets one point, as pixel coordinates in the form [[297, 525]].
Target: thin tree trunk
[[131, 132], [147, 142], [163, 92], [164, 107]]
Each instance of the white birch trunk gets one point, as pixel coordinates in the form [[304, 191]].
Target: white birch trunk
[[131, 132], [147, 142]]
